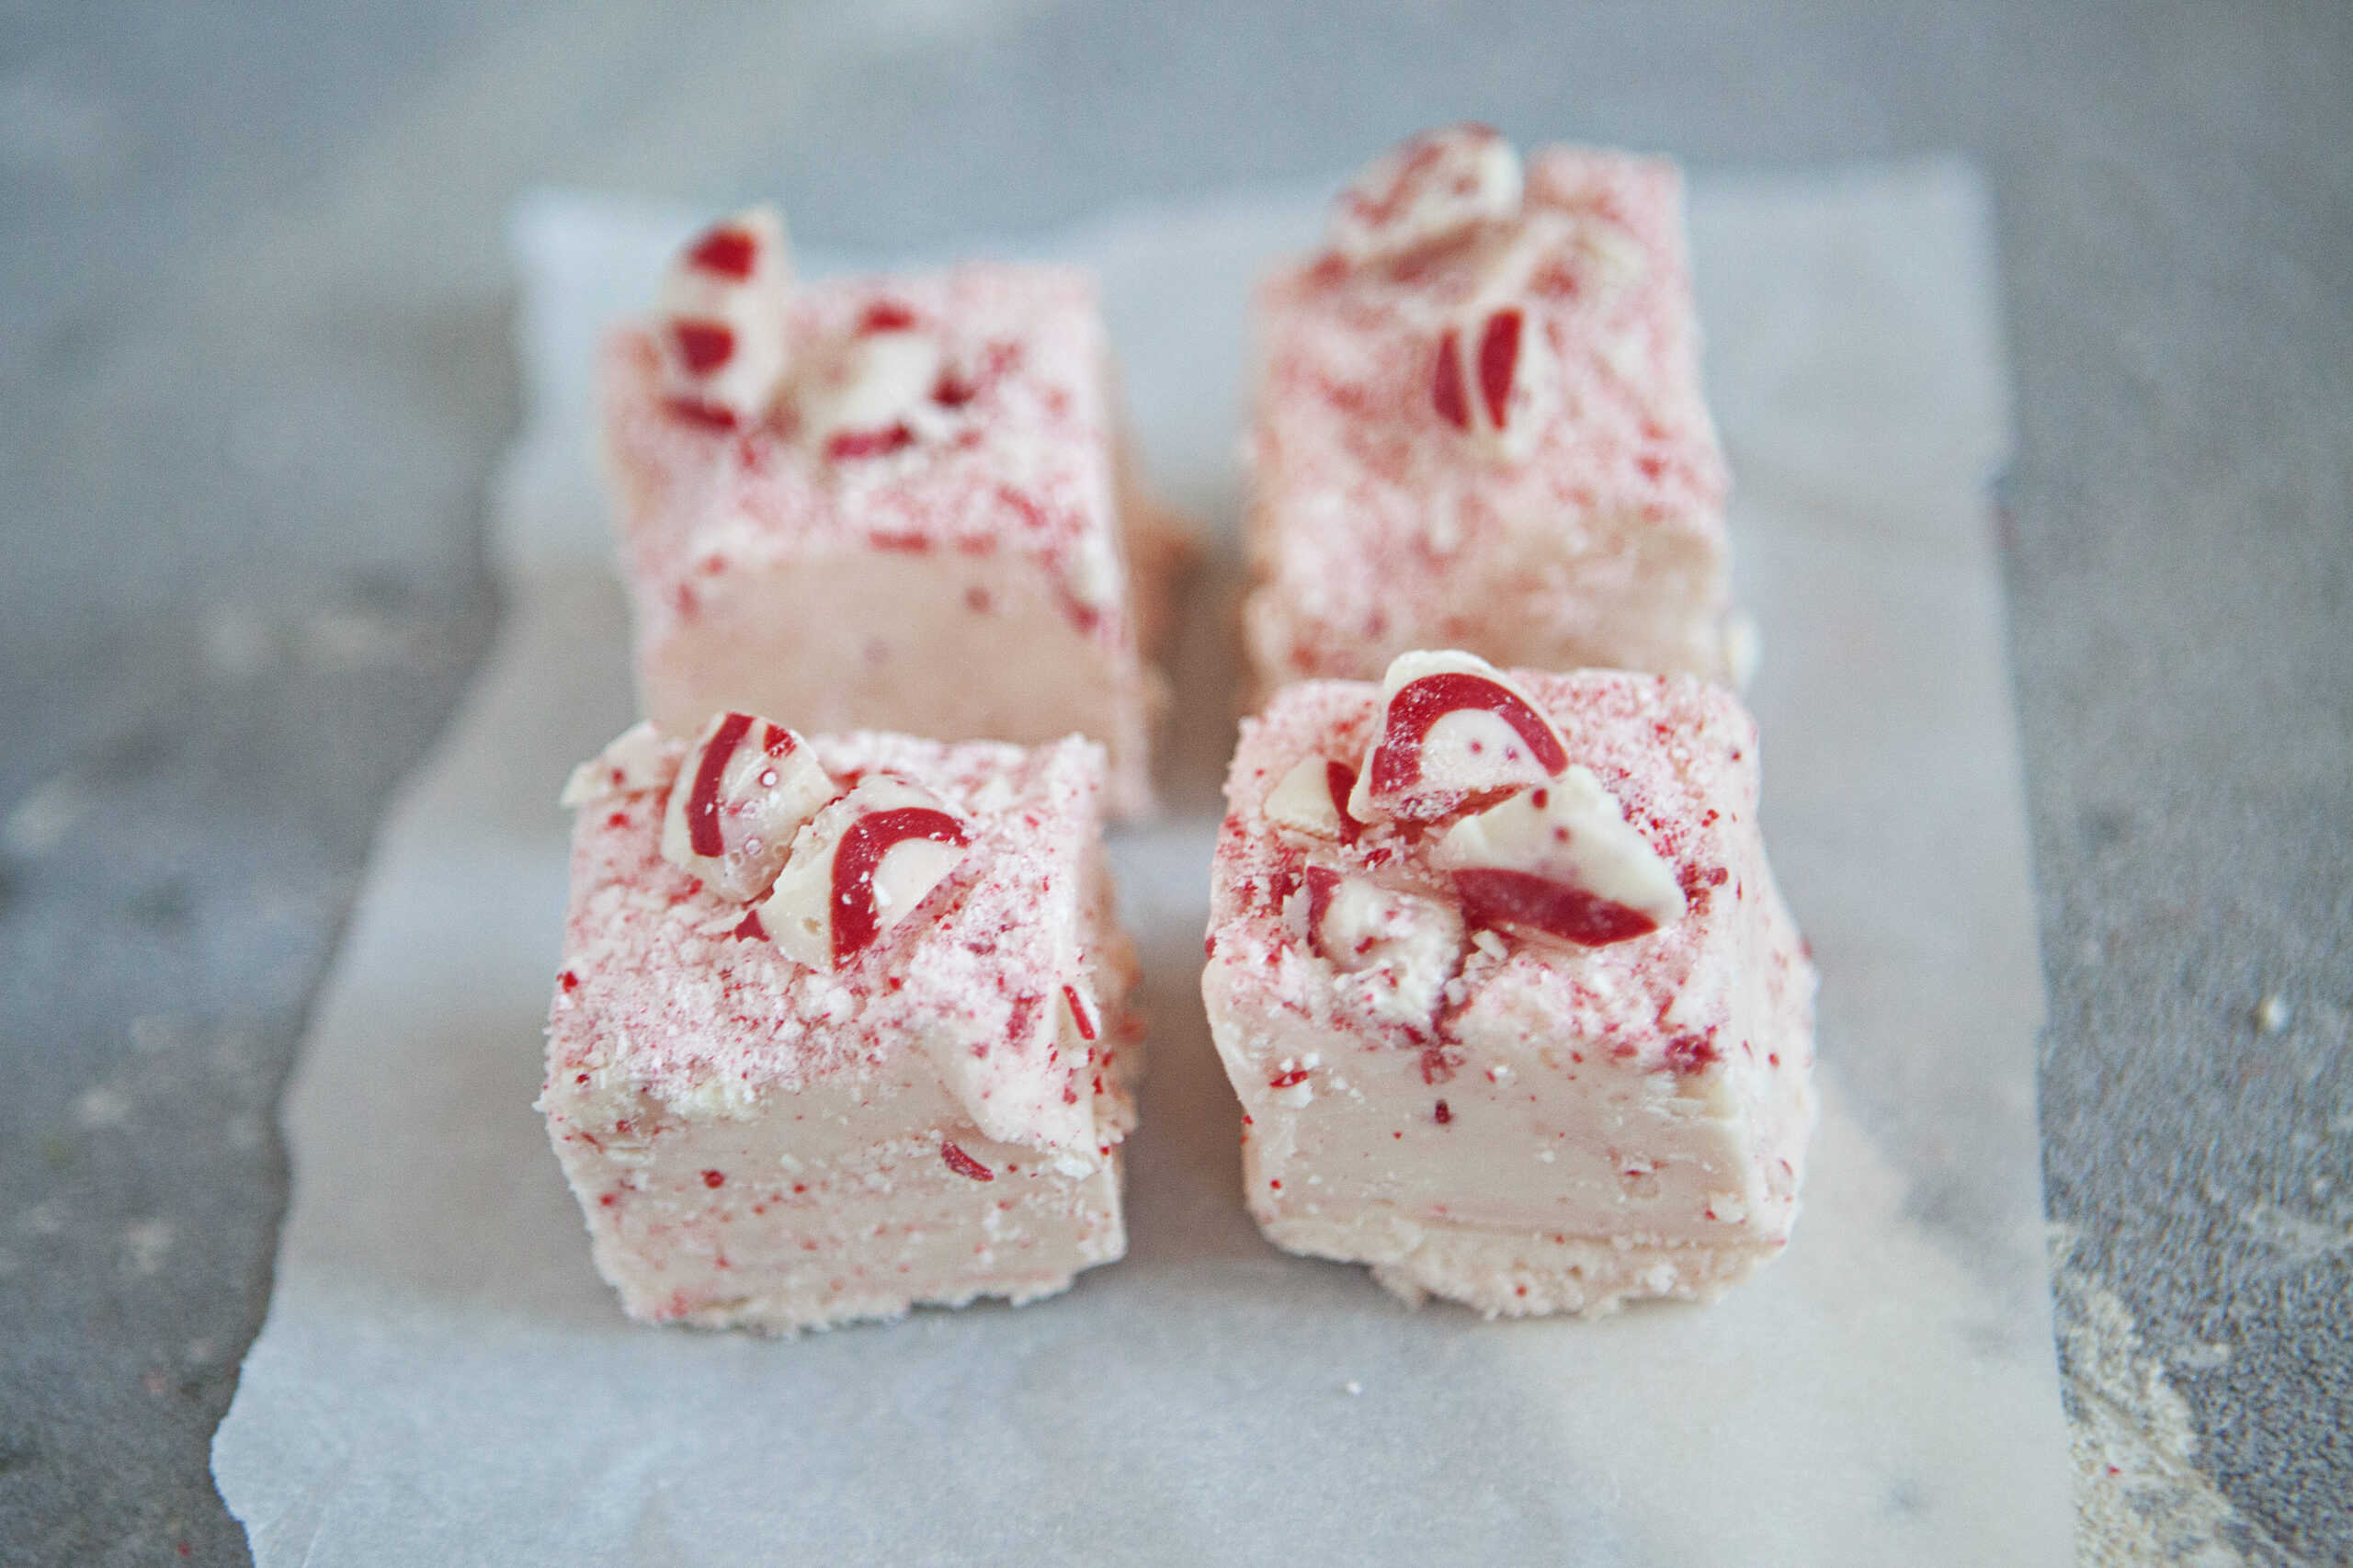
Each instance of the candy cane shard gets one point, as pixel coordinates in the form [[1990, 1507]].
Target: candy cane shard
[[1402, 947], [744, 791], [865, 863], [1428, 190], [878, 392], [1496, 379], [1313, 799], [722, 321], [1561, 860], [1452, 727]]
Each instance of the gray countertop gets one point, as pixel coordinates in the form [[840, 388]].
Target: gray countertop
[[255, 373]]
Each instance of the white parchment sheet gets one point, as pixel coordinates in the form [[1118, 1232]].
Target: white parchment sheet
[[443, 1380]]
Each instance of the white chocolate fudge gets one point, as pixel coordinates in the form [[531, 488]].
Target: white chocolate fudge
[[1479, 424], [884, 503], [888, 1064], [1499, 972]]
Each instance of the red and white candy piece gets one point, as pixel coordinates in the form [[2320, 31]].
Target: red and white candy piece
[[876, 394], [637, 760], [1404, 947], [1452, 727], [1078, 1026], [722, 321], [1561, 859], [1313, 799], [1429, 188], [1494, 380], [744, 791], [864, 865]]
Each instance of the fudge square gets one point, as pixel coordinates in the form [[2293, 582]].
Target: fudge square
[[842, 1024], [1479, 424], [892, 502], [1499, 972]]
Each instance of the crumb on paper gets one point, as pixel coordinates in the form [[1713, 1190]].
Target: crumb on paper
[[2273, 1014], [2140, 1497], [145, 1243]]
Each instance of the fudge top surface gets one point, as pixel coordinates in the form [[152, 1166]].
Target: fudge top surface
[[657, 993], [1679, 756], [1597, 261], [1004, 440]]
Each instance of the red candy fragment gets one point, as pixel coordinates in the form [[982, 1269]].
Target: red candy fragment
[[727, 251], [702, 803], [705, 345], [1694, 1052], [1397, 761], [963, 1165], [1339, 779], [1078, 1014], [868, 443], [1498, 357], [1446, 383], [855, 921], [694, 411], [1492, 897]]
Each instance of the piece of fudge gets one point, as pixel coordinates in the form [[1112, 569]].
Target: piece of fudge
[[842, 1025], [1498, 969], [1479, 424], [895, 503]]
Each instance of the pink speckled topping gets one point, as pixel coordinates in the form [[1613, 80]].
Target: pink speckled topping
[[1015, 451], [1679, 754], [655, 990], [1374, 515]]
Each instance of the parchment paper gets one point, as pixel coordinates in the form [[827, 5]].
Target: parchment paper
[[443, 1380]]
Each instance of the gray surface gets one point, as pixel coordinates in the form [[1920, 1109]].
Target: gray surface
[[252, 374]]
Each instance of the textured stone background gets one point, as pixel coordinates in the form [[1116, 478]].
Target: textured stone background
[[253, 372]]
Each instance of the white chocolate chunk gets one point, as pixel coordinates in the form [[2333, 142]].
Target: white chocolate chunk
[[1453, 726], [721, 316], [1426, 189], [881, 380], [637, 760], [1396, 951], [1574, 834], [744, 791], [861, 867]]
